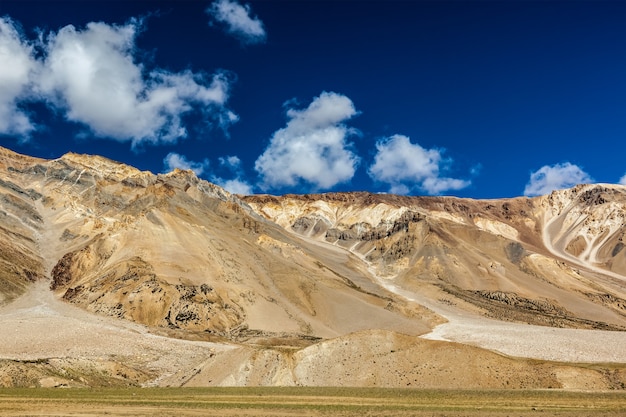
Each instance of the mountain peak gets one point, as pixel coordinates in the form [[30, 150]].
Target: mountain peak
[[103, 167]]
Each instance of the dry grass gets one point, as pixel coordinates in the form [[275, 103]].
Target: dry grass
[[318, 401]]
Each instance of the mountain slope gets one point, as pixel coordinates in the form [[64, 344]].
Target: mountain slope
[[20, 226], [495, 255], [176, 252]]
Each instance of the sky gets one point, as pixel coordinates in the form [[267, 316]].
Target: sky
[[480, 99]]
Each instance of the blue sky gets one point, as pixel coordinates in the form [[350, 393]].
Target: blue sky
[[484, 99]]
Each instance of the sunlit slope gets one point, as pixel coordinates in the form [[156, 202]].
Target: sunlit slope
[[586, 225], [21, 226]]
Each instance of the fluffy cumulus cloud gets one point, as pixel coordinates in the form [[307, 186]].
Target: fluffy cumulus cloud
[[235, 186], [406, 166], [312, 148], [17, 68], [92, 74], [92, 77], [623, 180], [174, 160], [554, 177], [238, 21]]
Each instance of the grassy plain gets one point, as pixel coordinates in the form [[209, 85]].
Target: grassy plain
[[323, 401]]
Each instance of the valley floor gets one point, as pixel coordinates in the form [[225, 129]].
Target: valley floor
[[308, 402]]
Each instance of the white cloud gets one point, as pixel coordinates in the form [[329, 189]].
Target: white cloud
[[238, 21], [93, 76], [312, 147], [17, 67], [234, 186], [174, 160], [554, 177], [623, 180], [231, 162], [404, 166]]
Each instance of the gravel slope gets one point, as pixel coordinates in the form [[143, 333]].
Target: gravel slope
[[39, 326], [521, 340]]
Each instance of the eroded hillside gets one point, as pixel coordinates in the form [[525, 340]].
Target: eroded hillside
[[553, 260], [179, 253]]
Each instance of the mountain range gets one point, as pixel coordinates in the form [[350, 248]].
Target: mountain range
[[114, 276]]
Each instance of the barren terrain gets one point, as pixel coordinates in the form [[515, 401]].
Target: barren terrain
[[115, 277]]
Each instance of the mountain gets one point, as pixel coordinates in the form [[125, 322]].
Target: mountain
[[555, 260], [170, 280]]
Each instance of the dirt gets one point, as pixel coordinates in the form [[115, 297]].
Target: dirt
[[84, 349], [60, 338]]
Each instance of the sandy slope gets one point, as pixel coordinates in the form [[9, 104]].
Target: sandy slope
[[515, 339], [41, 326], [38, 325], [520, 340], [465, 322]]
